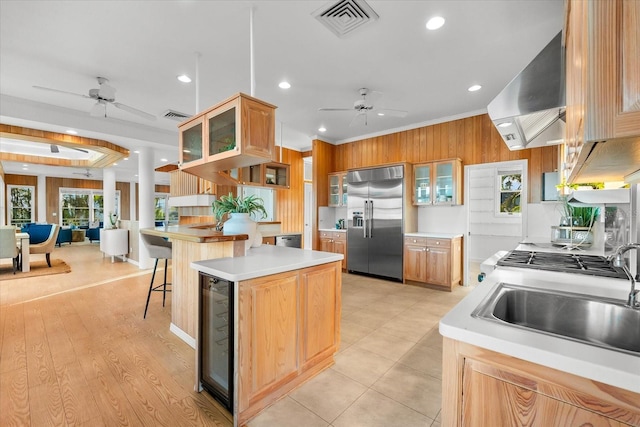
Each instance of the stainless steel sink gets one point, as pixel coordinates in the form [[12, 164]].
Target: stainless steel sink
[[592, 320]]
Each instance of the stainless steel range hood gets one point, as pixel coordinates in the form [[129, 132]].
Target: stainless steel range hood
[[529, 112]]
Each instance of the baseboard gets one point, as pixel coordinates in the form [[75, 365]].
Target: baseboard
[[183, 335]]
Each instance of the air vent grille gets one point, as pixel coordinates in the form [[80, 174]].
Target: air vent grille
[[345, 16], [175, 115]]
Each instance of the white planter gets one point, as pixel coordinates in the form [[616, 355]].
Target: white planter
[[241, 223]]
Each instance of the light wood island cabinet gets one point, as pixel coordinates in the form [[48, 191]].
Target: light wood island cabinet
[[481, 388]]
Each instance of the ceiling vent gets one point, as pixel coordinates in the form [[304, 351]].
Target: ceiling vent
[[175, 115], [345, 16]]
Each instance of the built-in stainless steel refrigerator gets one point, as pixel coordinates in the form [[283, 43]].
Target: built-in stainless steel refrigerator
[[375, 221]]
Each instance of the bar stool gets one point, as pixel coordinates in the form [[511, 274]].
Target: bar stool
[[158, 248]]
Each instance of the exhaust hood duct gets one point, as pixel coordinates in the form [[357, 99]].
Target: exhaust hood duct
[[530, 111]]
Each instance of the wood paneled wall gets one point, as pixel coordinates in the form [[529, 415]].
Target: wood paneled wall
[[324, 160], [53, 194], [290, 203], [474, 140]]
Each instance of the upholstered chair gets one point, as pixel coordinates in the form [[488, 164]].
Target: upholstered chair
[[48, 245], [8, 245]]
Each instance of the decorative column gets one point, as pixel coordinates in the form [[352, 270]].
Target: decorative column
[[109, 195], [41, 194], [146, 189]]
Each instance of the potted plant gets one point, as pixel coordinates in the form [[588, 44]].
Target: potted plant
[[240, 210]]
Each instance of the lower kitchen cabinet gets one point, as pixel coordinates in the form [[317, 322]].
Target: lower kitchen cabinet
[[481, 387], [433, 261], [336, 242]]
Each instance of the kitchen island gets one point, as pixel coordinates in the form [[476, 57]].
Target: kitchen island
[[286, 305], [513, 376], [192, 243]]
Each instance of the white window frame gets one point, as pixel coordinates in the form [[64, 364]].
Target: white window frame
[[499, 191], [167, 208], [32, 204], [91, 193]]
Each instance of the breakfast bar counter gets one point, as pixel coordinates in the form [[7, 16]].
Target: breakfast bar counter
[[192, 243]]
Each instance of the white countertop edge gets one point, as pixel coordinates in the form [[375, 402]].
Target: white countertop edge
[[264, 261], [339, 230], [607, 366], [433, 235]]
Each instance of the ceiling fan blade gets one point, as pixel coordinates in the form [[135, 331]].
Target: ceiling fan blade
[[335, 109], [392, 113], [134, 111], [61, 91], [54, 148]]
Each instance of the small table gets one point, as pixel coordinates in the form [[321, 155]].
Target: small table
[[77, 235], [23, 238]]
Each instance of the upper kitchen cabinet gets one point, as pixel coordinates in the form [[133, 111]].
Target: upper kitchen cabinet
[[236, 133], [272, 175], [603, 90], [338, 189], [437, 183]]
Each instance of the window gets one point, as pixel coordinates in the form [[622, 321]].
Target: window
[[510, 187], [81, 207], [21, 204], [163, 212]]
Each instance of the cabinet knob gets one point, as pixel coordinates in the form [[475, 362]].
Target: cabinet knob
[[414, 240], [424, 249], [437, 243]]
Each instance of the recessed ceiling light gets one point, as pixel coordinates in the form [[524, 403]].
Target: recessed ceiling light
[[322, 129], [137, 152], [504, 125], [135, 175], [25, 165], [474, 88], [72, 132], [184, 78], [25, 168], [126, 158], [164, 160], [115, 164], [435, 23], [381, 114], [284, 85]]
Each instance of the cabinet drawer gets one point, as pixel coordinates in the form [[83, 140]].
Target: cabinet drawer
[[441, 243], [342, 237], [335, 235], [415, 241]]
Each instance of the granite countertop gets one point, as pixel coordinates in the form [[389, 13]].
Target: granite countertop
[[264, 261], [201, 233], [607, 366], [432, 235]]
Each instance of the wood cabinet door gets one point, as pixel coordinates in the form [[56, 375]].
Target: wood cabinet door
[[272, 357], [258, 129], [490, 401], [320, 309], [415, 263], [438, 266], [326, 244], [340, 247]]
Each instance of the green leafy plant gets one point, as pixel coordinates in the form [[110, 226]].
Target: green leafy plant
[[229, 204], [585, 216]]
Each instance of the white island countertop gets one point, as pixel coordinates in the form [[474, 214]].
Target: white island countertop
[[606, 366], [264, 261]]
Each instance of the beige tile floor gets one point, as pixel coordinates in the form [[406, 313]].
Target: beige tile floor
[[388, 371]]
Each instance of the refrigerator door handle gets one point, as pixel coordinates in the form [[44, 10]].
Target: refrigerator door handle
[[370, 219], [364, 218]]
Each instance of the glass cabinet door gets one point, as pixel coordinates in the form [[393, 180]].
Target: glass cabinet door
[[343, 180], [192, 143], [443, 183], [222, 132], [334, 190], [422, 185]]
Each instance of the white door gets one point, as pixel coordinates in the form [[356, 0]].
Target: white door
[[496, 213], [308, 212]]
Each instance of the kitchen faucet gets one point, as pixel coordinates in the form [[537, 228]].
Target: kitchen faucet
[[618, 261]]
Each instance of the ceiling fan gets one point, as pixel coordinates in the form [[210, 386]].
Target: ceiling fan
[[86, 173], [105, 94], [363, 106]]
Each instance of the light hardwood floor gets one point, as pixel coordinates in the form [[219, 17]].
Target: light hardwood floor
[[75, 350]]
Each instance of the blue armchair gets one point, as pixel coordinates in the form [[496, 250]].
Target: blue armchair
[[64, 236], [94, 233]]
